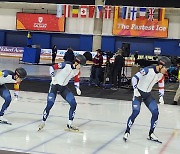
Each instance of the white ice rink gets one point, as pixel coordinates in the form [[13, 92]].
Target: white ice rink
[[102, 121]]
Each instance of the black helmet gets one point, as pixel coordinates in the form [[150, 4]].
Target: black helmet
[[21, 72], [81, 59], [165, 61]]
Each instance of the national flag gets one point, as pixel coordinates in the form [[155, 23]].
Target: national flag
[[107, 12], [99, 13], [161, 14], [75, 11], [151, 14], [83, 11], [125, 10], [116, 12], [59, 10], [133, 13], [67, 10], [142, 12], [91, 11]]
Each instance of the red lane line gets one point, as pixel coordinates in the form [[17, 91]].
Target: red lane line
[[168, 141]]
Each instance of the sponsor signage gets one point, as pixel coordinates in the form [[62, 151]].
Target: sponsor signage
[[39, 22], [11, 49], [141, 28]]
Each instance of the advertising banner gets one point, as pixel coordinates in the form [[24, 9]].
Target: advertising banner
[[141, 28], [39, 22]]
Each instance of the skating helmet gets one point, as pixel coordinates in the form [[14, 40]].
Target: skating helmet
[[21, 72], [165, 61], [81, 59]]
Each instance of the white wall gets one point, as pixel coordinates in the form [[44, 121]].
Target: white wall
[[174, 26], [79, 25], [8, 19]]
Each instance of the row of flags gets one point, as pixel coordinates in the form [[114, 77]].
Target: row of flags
[[105, 11]]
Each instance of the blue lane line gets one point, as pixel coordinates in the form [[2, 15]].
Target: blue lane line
[[108, 142], [10, 130], [20, 150], [112, 122], [61, 134]]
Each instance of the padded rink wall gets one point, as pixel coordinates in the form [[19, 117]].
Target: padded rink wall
[[80, 42]]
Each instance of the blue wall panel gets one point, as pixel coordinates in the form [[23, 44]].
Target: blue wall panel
[[108, 43], [145, 46], [2, 38], [168, 47], [15, 38], [66, 41], [86, 42], [41, 39]]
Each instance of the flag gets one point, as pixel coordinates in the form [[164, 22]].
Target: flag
[[151, 14], [142, 12], [116, 12], [59, 10], [99, 13], [133, 13], [83, 11], [67, 10], [125, 10], [91, 11], [161, 14], [75, 11], [107, 12]]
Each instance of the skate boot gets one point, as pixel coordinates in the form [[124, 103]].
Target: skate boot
[[153, 137], [2, 119], [72, 128], [41, 126], [126, 135]]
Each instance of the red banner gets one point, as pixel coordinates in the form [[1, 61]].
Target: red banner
[[39, 22]]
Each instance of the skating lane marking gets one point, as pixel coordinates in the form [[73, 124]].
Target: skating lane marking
[[52, 138], [108, 142], [173, 134], [96, 120]]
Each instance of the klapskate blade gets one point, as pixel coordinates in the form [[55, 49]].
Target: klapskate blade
[[73, 131], [5, 122], [155, 141]]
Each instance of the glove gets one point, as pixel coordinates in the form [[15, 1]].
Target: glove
[[78, 91], [16, 95], [136, 93], [161, 100]]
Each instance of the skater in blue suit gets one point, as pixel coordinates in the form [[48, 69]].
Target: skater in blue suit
[[7, 76], [61, 73], [143, 83]]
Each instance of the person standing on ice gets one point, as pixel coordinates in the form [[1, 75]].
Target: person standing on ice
[[143, 83], [7, 76], [60, 79]]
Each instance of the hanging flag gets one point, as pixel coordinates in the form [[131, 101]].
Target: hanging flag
[[116, 12], [142, 13], [133, 13], [67, 10], [125, 10], [83, 11], [151, 14], [161, 14], [91, 11], [75, 11], [59, 10], [107, 12], [99, 13]]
